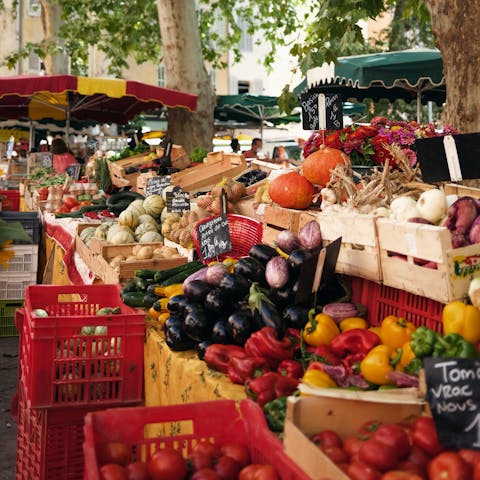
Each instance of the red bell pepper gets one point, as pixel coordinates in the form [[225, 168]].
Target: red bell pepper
[[290, 368], [323, 353], [241, 369], [424, 435], [270, 386], [264, 343], [217, 355], [357, 340], [352, 363]]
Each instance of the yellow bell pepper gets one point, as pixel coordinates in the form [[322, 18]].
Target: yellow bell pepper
[[458, 317], [395, 331], [375, 330], [320, 330], [353, 322], [407, 356], [318, 378], [376, 365]]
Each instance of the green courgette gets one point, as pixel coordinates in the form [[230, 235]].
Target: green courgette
[[190, 267], [130, 286], [133, 299], [145, 273], [149, 299]]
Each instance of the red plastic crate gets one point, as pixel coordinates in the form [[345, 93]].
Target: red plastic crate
[[245, 232], [50, 441], [10, 201], [217, 421], [382, 301], [61, 367]]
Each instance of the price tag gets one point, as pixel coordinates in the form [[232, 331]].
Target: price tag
[[178, 200], [453, 392], [155, 185], [214, 237], [321, 111]]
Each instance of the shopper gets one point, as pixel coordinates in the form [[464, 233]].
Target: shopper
[[61, 156], [255, 149]]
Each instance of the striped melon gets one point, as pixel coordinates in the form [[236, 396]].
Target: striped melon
[[144, 228], [116, 228], [153, 205], [129, 218], [122, 236], [151, 237]]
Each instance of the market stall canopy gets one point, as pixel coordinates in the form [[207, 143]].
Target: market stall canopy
[[65, 97], [414, 74]]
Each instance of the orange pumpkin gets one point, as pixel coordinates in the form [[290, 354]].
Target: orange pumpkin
[[291, 190], [316, 167]]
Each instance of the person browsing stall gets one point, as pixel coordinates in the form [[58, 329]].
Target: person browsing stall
[[61, 156], [256, 147]]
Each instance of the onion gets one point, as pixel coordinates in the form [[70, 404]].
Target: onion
[[310, 235], [276, 272], [432, 205], [474, 291], [287, 241], [215, 274]]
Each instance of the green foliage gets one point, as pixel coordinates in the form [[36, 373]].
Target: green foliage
[[287, 101], [198, 154]]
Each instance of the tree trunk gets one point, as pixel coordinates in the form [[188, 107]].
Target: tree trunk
[[51, 21], [185, 70], [456, 28]]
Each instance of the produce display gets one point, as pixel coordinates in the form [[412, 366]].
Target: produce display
[[206, 461]]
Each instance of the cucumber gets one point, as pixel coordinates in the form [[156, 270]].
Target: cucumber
[[145, 273], [189, 268], [133, 299], [130, 286], [179, 277], [149, 299], [141, 284]]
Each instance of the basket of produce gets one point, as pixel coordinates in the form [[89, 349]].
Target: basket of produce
[[245, 232], [80, 345], [171, 442]]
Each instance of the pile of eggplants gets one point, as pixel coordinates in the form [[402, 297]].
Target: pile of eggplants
[[222, 306]]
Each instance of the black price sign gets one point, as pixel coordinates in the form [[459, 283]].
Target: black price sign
[[453, 392], [321, 111], [214, 237], [155, 185], [178, 200], [74, 171]]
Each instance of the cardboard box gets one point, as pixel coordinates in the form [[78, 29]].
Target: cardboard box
[[359, 253], [309, 415]]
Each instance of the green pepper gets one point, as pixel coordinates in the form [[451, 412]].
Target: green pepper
[[275, 412], [422, 341], [414, 366], [454, 345]]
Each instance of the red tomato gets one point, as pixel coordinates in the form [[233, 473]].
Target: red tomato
[[76, 208], [115, 452], [470, 456], [449, 466], [327, 438], [378, 455], [335, 454], [112, 471], [411, 467], [257, 471], [360, 471], [418, 457], [167, 464], [227, 468], [424, 435], [401, 475], [62, 209], [69, 201], [367, 429], [237, 451], [199, 461], [207, 448], [205, 474], [137, 471], [394, 436], [476, 472], [352, 445], [85, 203]]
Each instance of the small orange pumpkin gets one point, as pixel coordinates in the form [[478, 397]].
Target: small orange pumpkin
[[291, 190], [316, 167]]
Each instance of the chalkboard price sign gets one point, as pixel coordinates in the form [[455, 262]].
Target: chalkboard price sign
[[155, 185], [214, 237], [321, 111], [453, 392], [178, 200]]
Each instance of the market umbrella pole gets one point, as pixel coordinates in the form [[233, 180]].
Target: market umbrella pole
[[419, 106]]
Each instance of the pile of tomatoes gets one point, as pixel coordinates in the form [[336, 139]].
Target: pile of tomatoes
[[398, 451], [71, 204], [230, 461]]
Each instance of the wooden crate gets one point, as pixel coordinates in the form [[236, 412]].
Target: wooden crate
[[461, 190], [117, 170], [206, 175], [404, 247], [178, 155], [359, 254], [279, 217]]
